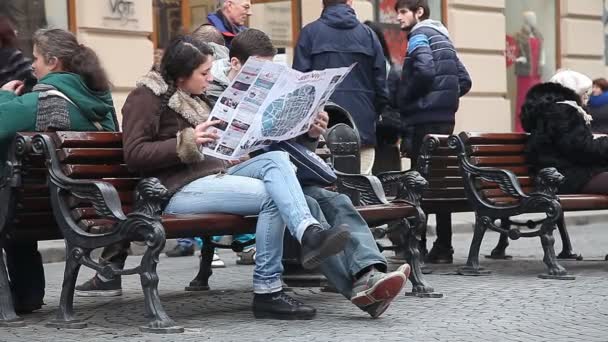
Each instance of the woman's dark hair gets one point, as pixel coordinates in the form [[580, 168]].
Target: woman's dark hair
[[75, 58], [8, 37], [183, 55], [378, 31], [602, 83]]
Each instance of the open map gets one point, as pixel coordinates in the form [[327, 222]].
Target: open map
[[268, 102]]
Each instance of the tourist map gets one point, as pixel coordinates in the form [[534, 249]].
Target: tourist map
[[268, 102]]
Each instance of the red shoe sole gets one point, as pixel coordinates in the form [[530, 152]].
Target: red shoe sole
[[387, 288]]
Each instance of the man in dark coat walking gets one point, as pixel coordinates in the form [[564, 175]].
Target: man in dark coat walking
[[338, 39], [432, 81]]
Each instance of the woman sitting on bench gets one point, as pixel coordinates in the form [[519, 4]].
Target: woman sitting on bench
[[561, 136], [165, 124], [73, 93]]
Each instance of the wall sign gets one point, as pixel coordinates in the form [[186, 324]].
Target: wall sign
[[122, 11]]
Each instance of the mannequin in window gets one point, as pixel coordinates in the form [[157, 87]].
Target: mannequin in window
[[529, 62]]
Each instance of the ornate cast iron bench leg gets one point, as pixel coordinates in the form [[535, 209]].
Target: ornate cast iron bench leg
[[500, 251], [145, 222], [420, 287], [8, 317], [410, 190], [65, 317], [201, 281], [554, 269], [566, 253], [10, 178], [472, 267]]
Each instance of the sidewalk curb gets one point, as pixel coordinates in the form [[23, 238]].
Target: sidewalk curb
[[462, 223]]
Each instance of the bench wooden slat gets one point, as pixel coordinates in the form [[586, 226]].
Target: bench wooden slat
[[474, 138], [495, 150], [64, 139], [500, 161], [90, 155], [82, 171]]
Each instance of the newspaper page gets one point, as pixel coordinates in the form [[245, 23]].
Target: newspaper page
[[268, 102]]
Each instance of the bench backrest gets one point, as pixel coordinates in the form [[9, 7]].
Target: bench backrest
[[82, 155], [439, 165], [502, 151]]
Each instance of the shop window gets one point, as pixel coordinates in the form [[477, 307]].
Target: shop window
[[199, 9], [31, 15], [396, 39], [530, 48], [276, 19]]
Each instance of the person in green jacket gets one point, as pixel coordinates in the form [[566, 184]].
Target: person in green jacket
[[73, 93]]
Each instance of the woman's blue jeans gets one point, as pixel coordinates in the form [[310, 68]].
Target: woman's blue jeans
[[266, 186]]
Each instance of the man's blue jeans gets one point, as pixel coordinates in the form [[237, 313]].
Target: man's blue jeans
[[266, 186], [331, 209]]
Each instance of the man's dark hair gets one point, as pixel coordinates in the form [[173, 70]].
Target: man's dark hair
[[602, 83], [209, 34], [251, 42], [413, 6], [327, 3]]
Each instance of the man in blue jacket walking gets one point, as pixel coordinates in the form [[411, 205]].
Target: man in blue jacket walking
[[338, 39], [432, 81], [231, 18]]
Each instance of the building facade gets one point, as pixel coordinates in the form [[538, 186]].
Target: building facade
[[506, 45]]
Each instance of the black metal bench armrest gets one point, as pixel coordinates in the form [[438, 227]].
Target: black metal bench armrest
[[368, 188], [103, 197], [410, 185]]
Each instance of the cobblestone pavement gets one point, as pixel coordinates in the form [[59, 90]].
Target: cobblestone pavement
[[512, 304]]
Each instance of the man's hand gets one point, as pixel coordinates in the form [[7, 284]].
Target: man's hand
[[319, 126], [204, 134], [15, 86]]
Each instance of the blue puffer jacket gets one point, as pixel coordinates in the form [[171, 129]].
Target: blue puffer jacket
[[338, 39], [433, 78]]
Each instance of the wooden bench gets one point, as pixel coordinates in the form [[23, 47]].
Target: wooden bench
[[500, 185], [438, 163], [75, 185]]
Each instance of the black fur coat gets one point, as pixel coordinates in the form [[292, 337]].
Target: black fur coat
[[560, 137]]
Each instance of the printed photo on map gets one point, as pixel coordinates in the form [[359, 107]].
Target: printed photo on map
[[221, 125], [241, 86], [226, 101]]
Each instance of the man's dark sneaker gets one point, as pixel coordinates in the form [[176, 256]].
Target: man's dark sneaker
[[374, 291], [181, 251], [319, 243], [96, 287], [279, 305], [440, 255]]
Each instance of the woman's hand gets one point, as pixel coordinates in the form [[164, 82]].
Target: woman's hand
[[238, 161], [319, 126], [15, 86], [205, 133]]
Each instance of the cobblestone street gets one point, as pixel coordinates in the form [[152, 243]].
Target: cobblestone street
[[512, 304]]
